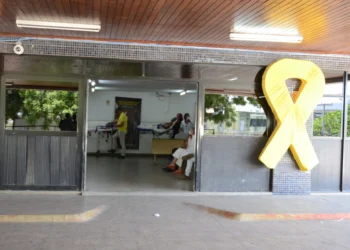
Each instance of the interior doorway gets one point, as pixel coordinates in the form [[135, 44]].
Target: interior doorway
[[149, 105]]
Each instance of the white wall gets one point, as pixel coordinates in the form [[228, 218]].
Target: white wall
[[154, 110]]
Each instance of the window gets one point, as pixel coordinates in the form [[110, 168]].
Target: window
[[40, 109], [233, 115], [327, 116]]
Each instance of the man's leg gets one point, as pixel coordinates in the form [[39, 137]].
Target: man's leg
[[122, 143], [181, 168], [185, 162], [189, 167], [114, 143], [178, 154], [177, 160], [172, 152]]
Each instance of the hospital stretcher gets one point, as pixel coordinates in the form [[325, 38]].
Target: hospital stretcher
[[105, 132], [102, 132], [155, 130]]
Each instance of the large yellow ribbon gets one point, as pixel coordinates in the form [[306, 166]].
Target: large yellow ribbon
[[291, 116]]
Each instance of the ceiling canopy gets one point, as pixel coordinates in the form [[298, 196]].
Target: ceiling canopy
[[323, 24]]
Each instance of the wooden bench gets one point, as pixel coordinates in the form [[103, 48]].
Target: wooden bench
[[165, 146]]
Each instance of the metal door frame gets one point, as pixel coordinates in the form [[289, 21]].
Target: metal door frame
[[199, 118]]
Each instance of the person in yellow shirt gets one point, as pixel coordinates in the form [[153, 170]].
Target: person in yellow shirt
[[121, 124]]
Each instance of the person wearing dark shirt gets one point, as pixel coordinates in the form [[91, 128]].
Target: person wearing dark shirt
[[174, 124], [74, 120], [66, 124]]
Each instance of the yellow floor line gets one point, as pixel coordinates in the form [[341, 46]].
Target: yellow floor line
[[270, 217], [53, 218]]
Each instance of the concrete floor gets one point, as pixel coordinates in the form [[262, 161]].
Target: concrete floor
[[133, 174], [129, 223]]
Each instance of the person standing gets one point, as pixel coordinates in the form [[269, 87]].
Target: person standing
[[121, 124]]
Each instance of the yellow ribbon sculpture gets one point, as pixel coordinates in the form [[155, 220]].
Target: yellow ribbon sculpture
[[291, 116]]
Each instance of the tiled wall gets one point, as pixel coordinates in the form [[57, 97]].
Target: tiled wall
[[287, 178], [149, 52]]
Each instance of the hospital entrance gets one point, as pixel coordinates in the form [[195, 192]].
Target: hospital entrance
[[134, 128]]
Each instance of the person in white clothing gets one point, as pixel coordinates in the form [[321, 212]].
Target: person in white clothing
[[190, 160], [186, 175], [189, 149], [186, 124]]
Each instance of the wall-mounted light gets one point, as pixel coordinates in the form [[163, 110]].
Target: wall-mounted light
[[92, 89], [183, 92], [266, 38], [58, 26], [93, 83], [233, 79]]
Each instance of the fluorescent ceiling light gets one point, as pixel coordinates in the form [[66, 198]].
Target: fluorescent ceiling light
[[266, 38], [183, 92], [233, 79], [261, 29], [58, 26]]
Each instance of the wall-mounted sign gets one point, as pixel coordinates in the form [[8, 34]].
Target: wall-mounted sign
[[291, 116]]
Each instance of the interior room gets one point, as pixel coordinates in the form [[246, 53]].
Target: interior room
[[148, 104]]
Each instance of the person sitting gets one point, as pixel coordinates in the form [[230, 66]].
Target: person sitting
[[66, 124], [174, 124], [190, 159], [189, 148], [186, 124]]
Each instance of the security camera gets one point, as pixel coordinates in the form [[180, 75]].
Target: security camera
[[18, 49]]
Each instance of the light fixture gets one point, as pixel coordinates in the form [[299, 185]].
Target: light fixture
[[58, 26], [183, 92], [266, 38], [210, 111], [233, 79], [92, 89], [89, 81], [93, 83]]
